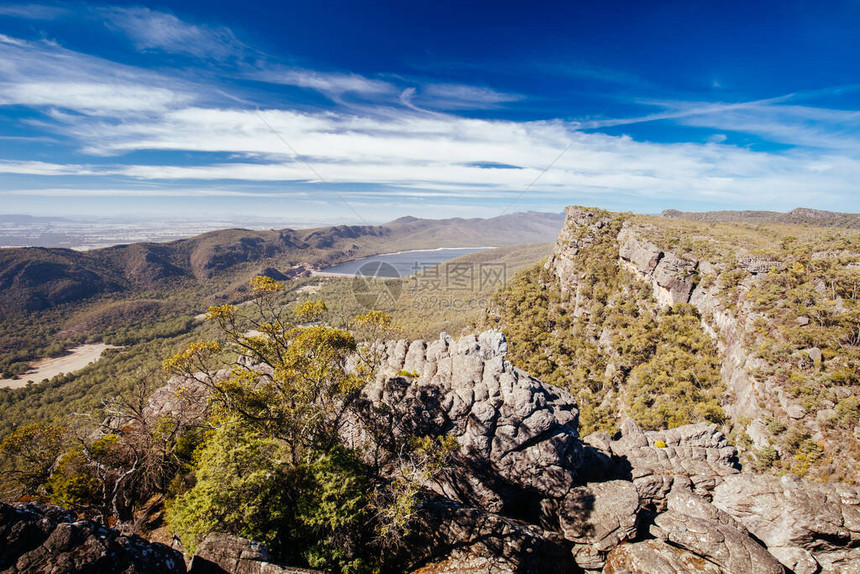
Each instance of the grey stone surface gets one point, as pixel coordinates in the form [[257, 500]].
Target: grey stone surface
[[730, 549], [695, 456], [226, 554], [807, 526], [457, 535], [36, 539], [671, 276], [598, 517], [656, 557], [515, 434]]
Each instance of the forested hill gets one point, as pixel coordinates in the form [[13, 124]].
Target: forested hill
[[39, 278]]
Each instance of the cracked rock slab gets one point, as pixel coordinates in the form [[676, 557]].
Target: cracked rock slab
[[730, 549]]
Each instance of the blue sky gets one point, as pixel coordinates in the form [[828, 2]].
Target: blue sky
[[363, 112]]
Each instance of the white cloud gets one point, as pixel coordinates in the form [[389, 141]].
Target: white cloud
[[32, 11], [462, 97], [145, 192], [43, 168], [111, 110], [4, 39], [154, 30], [445, 153], [44, 74], [331, 84], [89, 98], [789, 124]]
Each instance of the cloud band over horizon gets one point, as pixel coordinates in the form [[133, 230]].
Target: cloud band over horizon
[[245, 124]]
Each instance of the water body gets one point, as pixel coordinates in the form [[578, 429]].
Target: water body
[[401, 264]]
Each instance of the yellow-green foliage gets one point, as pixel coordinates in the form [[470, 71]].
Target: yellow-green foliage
[[27, 456], [72, 483], [311, 512], [236, 488], [275, 468], [679, 383], [309, 311]]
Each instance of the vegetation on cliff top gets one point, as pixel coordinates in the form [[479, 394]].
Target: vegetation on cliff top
[[608, 342]]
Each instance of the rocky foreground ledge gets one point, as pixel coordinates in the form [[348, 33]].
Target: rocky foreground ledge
[[524, 492], [44, 539]]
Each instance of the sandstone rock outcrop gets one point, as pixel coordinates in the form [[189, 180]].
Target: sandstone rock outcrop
[[517, 437], [47, 539], [671, 276], [456, 537], [730, 549], [598, 517], [656, 557], [691, 456]]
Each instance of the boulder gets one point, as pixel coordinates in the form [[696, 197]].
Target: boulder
[[807, 526], [598, 517], [226, 554], [695, 456], [461, 562], [671, 276], [643, 254], [450, 536], [675, 276], [36, 538], [730, 549]]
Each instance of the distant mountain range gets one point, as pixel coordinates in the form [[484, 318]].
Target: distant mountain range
[[36, 278], [799, 216]]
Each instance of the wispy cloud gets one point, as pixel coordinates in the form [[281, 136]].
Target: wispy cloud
[[43, 168], [461, 97], [151, 30], [332, 84], [788, 124], [404, 136], [446, 153], [43, 74], [33, 11]]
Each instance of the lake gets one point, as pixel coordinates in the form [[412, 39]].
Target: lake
[[399, 264]]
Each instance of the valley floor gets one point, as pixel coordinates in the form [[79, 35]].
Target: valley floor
[[77, 359]]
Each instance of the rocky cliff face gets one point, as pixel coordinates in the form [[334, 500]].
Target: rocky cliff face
[[525, 434], [524, 492], [735, 279], [673, 280]]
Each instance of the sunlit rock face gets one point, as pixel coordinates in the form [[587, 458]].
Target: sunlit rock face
[[517, 437]]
